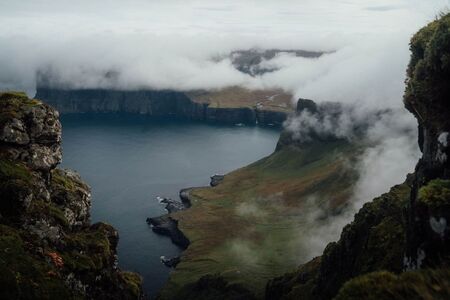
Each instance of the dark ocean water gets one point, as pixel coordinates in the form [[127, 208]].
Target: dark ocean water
[[129, 160]]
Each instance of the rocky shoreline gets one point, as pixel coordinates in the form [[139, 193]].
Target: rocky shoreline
[[168, 226]]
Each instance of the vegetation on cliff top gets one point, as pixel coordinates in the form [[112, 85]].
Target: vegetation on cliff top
[[239, 97], [429, 74], [48, 248], [424, 284], [249, 228]]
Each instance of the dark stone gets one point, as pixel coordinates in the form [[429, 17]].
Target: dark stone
[[185, 196], [216, 179], [165, 225], [172, 205], [170, 262], [306, 104]]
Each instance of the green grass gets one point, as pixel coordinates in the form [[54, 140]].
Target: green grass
[[12, 105], [435, 195], [423, 284], [239, 97], [23, 276], [249, 228]]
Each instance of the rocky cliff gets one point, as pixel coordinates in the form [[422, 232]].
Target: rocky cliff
[[398, 245], [242, 106], [48, 247]]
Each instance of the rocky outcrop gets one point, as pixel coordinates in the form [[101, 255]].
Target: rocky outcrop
[[48, 247], [216, 179], [214, 287], [249, 61], [427, 97], [165, 225], [162, 103]]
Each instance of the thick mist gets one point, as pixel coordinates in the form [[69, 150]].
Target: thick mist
[[174, 44], [185, 45]]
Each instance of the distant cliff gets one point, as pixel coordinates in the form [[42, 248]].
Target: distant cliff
[[48, 247], [253, 107]]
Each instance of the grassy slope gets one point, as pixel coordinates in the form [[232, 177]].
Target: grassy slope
[[235, 97], [249, 228]]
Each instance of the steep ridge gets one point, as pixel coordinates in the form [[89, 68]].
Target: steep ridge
[[405, 231], [48, 247], [250, 227], [232, 105]]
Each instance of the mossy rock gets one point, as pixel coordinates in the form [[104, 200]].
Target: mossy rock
[[373, 241], [89, 251], [42, 210], [436, 196], [24, 276], [295, 285], [13, 105], [16, 185], [61, 180], [133, 282], [424, 284], [214, 287], [427, 91]]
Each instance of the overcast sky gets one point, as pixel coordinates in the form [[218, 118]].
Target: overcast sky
[[170, 44]]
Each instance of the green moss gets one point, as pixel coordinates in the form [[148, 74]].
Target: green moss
[[89, 250], [15, 185], [429, 73], [424, 284], [14, 170], [213, 287], [59, 178], [435, 195], [133, 281], [12, 105], [46, 210], [24, 276]]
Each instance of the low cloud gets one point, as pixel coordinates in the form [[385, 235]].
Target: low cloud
[[173, 45], [391, 152]]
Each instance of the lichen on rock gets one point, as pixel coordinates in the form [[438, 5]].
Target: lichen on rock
[[48, 248]]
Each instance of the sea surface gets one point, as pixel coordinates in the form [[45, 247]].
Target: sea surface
[[130, 160]]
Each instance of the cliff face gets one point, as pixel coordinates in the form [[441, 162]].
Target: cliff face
[[48, 248], [157, 104], [406, 229], [427, 96]]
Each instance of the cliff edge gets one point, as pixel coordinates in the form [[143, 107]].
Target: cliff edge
[[48, 247], [398, 245]]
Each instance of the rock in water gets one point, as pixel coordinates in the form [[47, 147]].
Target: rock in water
[[170, 262], [165, 225], [171, 205]]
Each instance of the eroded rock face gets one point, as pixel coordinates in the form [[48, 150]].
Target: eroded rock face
[[427, 96], [31, 132], [45, 230], [73, 195]]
